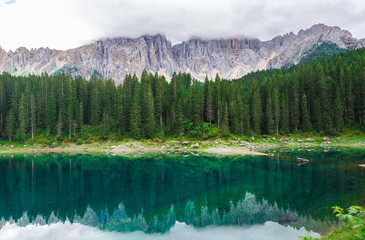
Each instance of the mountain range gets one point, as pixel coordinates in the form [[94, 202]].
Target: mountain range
[[230, 58]]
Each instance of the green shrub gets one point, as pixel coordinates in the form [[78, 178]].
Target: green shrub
[[355, 217]]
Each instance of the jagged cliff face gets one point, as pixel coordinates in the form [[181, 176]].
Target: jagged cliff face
[[230, 58]]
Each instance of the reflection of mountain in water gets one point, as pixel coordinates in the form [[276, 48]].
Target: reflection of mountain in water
[[247, 211]]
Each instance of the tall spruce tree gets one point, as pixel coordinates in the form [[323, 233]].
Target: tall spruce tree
[[225, 127], [151, 120], [270, 124], [256, 112], [246, 119], [51, 115], [276, 110], [284, 116], [21, 132], [135, 117], [339, 122], [210, 102], [32, 115], [3, 101], [306, 123], [10, 124]]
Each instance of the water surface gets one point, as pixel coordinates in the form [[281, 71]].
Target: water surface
[[149, 194]]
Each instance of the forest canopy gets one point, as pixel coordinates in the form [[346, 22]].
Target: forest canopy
[[325, 96]]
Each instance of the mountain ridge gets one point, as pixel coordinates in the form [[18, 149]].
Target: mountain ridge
[[230, 58]]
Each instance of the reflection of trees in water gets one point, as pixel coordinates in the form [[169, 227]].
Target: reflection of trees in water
[[247, 211], [67, 185]]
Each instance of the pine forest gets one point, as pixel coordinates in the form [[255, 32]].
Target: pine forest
[[324, 96]]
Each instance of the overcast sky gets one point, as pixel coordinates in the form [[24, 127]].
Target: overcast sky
[[64, 24]]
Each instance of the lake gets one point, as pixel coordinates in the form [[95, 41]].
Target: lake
[[176, 197]]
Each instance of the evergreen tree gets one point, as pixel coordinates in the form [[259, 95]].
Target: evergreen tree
[[195, 103], [276, 110], [218, 99], [71, 108], [159, 100], [350, 112], [225, 127], [327, 105], [32, 115], [95, 102], [51, 115], [60, 125], [121, 118], [105, 124], [151, 120], [270, 125], [256, 108], [317, 115], [3, 101], [246, 119], [236, 118], [306, 124], [22, 119], [209, 105], [339, 122], [180, 118], [293, 102], [363, 114], [10, 124], [135, 117], [284, 116]]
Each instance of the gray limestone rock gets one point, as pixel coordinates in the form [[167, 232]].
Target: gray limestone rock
[[230, 58]]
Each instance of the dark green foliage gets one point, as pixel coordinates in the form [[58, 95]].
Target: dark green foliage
[[339, 123], [225, 127], [32, 115], [10, 125], [135, 117], [284, 116], [150, 115], [324, 49], [2, 105], [306, 124], [327, 96], [256, 108], [51, 115], [22, 119]]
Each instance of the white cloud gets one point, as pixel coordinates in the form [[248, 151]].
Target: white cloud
[[10, 2], [42, 23], [65, 24]]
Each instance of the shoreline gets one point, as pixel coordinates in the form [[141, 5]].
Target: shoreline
[[122, 149], [252, 147]]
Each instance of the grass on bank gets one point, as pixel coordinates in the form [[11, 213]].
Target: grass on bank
[[343, 233], [92, 141]]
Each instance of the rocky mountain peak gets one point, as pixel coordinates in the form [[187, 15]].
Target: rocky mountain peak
[[231, 58]]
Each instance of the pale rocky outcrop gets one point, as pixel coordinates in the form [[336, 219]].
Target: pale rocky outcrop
[[230, 58]]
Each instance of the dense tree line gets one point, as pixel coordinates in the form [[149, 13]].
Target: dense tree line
[[324, 96]]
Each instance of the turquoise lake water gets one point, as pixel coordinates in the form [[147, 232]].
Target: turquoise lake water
[[161, 196]]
